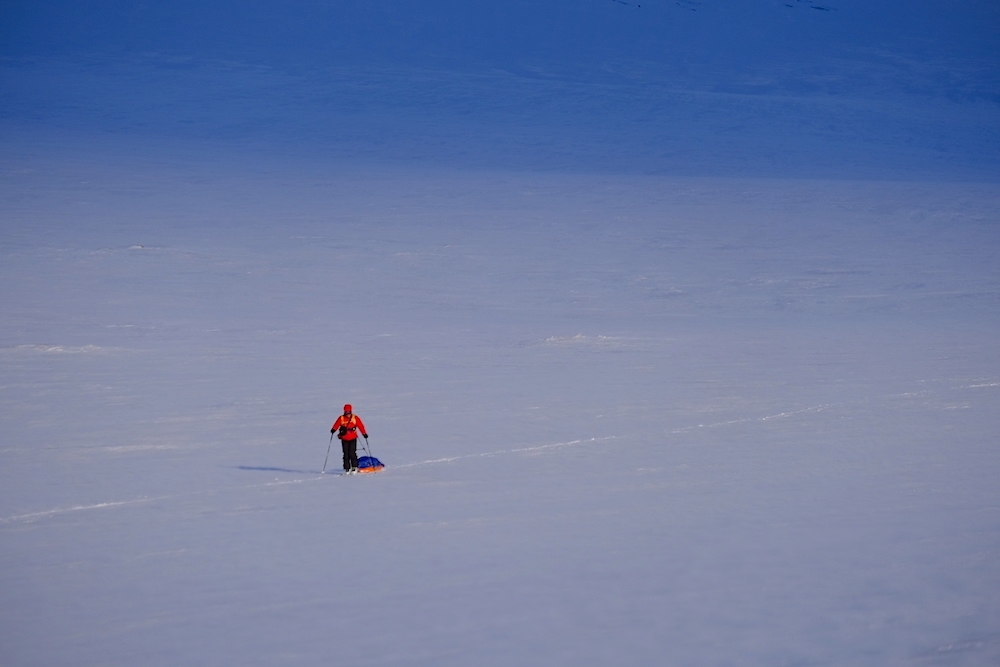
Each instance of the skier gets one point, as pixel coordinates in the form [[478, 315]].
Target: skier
[[346, 427]]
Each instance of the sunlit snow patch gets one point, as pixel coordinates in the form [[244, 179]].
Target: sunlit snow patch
[[59, 349], [594, 342]]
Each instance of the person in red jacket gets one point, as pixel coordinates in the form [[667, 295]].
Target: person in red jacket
[[346, 427]]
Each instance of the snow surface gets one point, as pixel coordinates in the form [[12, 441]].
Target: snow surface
[[679, 350]]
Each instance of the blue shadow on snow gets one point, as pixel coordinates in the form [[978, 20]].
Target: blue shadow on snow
[[272, 469]]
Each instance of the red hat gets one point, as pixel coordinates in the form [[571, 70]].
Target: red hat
[[347, 408]]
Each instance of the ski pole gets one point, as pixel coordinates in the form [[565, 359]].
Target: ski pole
[[369, 452], [327, 454]]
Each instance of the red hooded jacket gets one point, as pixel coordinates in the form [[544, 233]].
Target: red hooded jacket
[[352, 424]]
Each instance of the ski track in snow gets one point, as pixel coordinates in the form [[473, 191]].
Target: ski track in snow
[[780, 415], [449, 459], [34, 516]]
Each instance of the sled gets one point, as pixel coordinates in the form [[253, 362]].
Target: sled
[[368, 464]]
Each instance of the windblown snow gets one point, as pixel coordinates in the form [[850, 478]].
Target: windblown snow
[[676, 354]]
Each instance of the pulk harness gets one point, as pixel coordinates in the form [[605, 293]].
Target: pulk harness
[[349, 430]]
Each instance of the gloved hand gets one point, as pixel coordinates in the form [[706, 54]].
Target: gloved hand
[[333, 430], [366, 435]]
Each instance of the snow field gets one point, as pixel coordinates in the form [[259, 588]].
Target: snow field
[[627, 420]]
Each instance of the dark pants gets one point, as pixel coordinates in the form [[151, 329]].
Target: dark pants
[[350, 448]]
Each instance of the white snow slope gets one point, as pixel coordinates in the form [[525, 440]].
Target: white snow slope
[[647, 395]]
